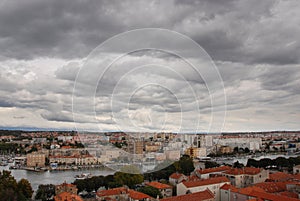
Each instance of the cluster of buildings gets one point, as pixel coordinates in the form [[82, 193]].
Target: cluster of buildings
[[222, 183], [54, 149]]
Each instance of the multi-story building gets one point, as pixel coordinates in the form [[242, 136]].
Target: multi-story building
[[251, 143], [206, 173], [243, 177], [213, 184], [36, 159], [74, 160], [195, 152], [172, 154], [176, 178], [135, 146], [206, 195]]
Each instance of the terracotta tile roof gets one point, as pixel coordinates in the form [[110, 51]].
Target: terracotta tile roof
[[245, 170], [158, 185], [289, 194], [176, 175], [137, 195], [122, 190], [215, 180], [229, 186], [65, 196], [216, 169], [280, 176], [272, 187], [271, 197], [199, 196], [66, 147], [113, 191], [255, 199], [192, 178], [261, 194]]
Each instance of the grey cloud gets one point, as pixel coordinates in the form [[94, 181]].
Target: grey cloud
[[239, 31], [255, 46]]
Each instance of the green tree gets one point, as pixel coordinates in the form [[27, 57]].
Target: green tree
[[237, 164], [129, 180], [186, 164], [25, 188], [45, 192], [10, 190], [211, 164], [149, 190]]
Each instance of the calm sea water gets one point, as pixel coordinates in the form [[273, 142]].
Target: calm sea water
[[53, 177], [58, 177]]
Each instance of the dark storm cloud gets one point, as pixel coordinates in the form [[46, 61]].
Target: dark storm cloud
[[255, 45], [242, 31]]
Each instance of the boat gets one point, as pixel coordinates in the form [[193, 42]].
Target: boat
[[83, 176]]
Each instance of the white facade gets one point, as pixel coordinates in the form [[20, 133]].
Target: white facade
[[251, 143], [214, 188]]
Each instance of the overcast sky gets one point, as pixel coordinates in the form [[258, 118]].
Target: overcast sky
[[254, 45]]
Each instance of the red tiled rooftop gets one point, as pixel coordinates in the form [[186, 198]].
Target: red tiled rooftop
[[199, 196], [260, 194], [273, 197], [229, 186], [66, 147], [216, 169], [176, 175], [245, 170], [250, 189], [158, 185], [289, 194], [137, 195], [113, 191], [280, 176], [204, 182], [66, 196], [272, 187]]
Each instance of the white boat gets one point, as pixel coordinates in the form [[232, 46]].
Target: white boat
[[83, 176]]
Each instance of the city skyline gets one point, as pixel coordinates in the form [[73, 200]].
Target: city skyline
[[254, 46]]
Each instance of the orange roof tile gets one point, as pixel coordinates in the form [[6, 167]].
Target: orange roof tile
[[272, 197], [216, 169], [229, 186], [260, 194], [66, 147], [245, 170], [289, 194], [214, 180], [66, 196], [137, 195], [158, 185], [199, 196], [248, 190], [113, 191], [192, 178], [280, 176], [272, 187], [176, 175]]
